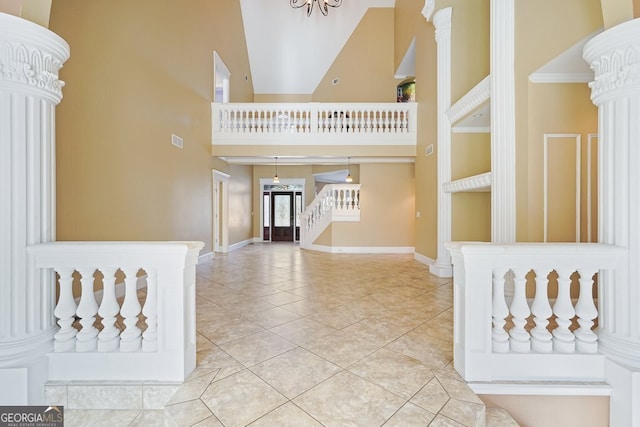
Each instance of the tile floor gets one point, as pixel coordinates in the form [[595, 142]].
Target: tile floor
[[288, 337]]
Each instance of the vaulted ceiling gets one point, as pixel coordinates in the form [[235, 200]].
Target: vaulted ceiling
[[289, 52]]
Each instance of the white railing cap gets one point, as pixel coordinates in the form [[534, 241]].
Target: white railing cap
[[112, 253]]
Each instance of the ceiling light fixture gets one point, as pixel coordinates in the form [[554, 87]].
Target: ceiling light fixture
[[323, 5], [276, 180], [348, 178]]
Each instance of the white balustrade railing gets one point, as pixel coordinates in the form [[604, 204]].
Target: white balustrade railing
[[335, 202], [527, 311], [140, 326], [308, 123]]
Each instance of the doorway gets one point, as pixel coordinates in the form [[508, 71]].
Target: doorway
[[282, 216], [281, 208]]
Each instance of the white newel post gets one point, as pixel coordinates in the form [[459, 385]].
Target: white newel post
[[30, 58], [614, 56]]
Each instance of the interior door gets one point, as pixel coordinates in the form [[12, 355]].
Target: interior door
[[282, 217]]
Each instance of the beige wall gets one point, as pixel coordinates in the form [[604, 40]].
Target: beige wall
[[410, 23], [615, 12], [32, 10], [469, 44], [140, 71], [553, 411], [471, 154], [560, 109], [571, 21], [240, 203], [364, 65]]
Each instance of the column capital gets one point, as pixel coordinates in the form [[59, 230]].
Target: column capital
[[614, 57], [442, 23], [427, 10], [31, 57]]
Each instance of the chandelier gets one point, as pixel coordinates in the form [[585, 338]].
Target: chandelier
[[323, 5]]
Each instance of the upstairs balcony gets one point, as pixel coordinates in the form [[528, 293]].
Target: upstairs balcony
[[383, 129]]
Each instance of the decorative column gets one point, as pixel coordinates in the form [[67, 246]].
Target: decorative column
[[503, 120], [442, 24], [614, 56], [30, 58]]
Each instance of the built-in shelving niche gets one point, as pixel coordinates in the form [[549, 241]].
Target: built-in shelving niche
[[471, 114]]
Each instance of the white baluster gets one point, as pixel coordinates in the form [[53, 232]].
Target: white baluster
[[520, 339], [541, 339], [586, 339], [150, 311], [259, 122], [405, 121], [563, 339], [130, 338], [65, 338], [86, 340], [499, 312], [387, 121], [108, 338]]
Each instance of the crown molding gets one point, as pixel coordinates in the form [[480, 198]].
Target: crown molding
[[479, 94]]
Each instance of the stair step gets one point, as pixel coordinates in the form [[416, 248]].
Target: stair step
[[498, 417]]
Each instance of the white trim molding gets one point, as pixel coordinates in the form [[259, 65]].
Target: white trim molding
[[428, 9], [475, 183], [363, 249], [477, 96], [545, 209], [503, 120], [442, 24]]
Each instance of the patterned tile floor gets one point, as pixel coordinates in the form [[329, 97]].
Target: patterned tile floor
[[288, 337]]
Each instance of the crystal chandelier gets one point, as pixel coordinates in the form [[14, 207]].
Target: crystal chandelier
[[323, 5]]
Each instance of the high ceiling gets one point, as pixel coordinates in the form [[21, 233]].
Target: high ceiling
[[289, 53]]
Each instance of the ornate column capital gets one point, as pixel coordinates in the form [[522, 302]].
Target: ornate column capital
[[614, 56], [442, 23], [427, 10], [31, 57]]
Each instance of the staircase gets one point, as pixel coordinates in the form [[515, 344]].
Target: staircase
[[335, 202]]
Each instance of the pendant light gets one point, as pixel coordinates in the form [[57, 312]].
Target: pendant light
[[276, 180], [348, 179]]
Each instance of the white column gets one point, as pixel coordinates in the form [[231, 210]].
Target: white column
[[442, 24], [30, 58], [614, 56], [503, 120]]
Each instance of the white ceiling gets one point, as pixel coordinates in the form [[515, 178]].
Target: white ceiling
[[289, 53]]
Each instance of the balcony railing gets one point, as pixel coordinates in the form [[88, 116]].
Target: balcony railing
[[526, 312], [122, 332], [314, 123]]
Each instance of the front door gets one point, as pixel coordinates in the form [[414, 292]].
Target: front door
[[282, 217]]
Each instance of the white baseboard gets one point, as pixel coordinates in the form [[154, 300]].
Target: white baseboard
[[241, 244], [205, 257], [363, 250], [538, 389], [423, 259], [441, 270]]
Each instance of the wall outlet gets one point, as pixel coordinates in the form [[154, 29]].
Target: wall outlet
[[429, 150], [418, 214], [177, 141]]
